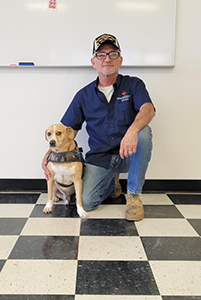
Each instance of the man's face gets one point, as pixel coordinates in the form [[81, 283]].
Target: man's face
[[107, 66]]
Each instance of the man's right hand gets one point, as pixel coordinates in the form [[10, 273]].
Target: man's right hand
[[44, 165]]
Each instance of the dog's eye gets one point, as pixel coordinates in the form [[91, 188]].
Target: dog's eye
[[58, 133], [49, 133]]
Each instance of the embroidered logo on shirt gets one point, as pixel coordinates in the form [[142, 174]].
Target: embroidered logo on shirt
[[124, 97]]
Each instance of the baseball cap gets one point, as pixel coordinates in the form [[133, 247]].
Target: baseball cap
[[105, 39]]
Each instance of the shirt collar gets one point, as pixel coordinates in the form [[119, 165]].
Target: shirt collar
[[116, 84]]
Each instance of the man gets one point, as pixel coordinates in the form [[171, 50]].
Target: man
[[117, 110]]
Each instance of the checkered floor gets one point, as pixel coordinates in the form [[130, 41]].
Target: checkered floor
[[59, 256]]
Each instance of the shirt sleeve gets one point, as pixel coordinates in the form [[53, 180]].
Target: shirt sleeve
[[141, 95], [74, 116]]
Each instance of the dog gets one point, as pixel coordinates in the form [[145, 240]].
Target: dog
[[65, 164]]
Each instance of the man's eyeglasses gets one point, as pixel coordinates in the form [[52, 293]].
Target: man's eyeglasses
[[103, 55]]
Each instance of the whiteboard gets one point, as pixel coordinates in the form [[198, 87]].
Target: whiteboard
[[62, 37]]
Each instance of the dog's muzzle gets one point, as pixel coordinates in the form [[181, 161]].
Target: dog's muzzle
[[52, 143]]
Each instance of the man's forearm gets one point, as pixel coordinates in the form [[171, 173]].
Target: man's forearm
[[143, 118]]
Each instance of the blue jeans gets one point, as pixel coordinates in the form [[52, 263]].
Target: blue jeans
[[98, 182]]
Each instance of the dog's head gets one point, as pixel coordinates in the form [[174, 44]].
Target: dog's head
[[58, 134]]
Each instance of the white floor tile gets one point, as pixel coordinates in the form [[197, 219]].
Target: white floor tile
[[165, 227], [111, 248], [16, 210], [155, 199], [190, 211], [6, 245], [42, 199], [177, 277], [108, 212], [52, 226], [38, 277]]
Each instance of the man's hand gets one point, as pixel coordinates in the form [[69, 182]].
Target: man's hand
[[44, 165], [128, 144]]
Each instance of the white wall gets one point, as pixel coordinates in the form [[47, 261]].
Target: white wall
[[32, 99]]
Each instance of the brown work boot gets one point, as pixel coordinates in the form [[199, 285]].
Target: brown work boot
[[134, 207], [118, 189]]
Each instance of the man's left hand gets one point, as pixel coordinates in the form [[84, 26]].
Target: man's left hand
[[128, 144]]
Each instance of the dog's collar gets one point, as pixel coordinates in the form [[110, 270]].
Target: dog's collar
[[65, 185], [66, 157]]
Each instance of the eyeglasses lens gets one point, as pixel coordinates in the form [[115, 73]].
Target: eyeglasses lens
[[112, 55]]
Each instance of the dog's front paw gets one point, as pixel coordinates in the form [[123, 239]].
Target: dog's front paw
[[47, 209], [81, 212]]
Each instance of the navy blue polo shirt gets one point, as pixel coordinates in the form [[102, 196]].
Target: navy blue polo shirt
[[106, 123]]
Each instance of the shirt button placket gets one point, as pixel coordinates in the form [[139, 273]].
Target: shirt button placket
[[111, 125]]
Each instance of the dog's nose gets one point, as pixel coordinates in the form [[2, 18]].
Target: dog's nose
[[52, 143]]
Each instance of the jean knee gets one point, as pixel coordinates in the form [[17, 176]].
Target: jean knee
[[145, 137], [87, 202]]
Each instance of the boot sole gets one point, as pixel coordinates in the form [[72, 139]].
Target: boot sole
[[134, 219]]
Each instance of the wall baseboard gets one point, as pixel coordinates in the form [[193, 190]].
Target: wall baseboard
[[150, 186]]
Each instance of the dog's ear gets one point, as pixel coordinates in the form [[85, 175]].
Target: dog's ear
[[71, 133]]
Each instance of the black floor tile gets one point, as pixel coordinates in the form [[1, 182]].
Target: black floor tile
[[58, 211], [108, 227], [115, 278], [45, 247], [11, 226], [185, 198], [161, 211], [196, 224], [2, 262], [120, 200], [36, 297], [19, 198], [172, 248]]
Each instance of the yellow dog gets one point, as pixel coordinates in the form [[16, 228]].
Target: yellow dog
[[65, 165]]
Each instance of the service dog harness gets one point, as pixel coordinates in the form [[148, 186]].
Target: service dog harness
[[66, 157]]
